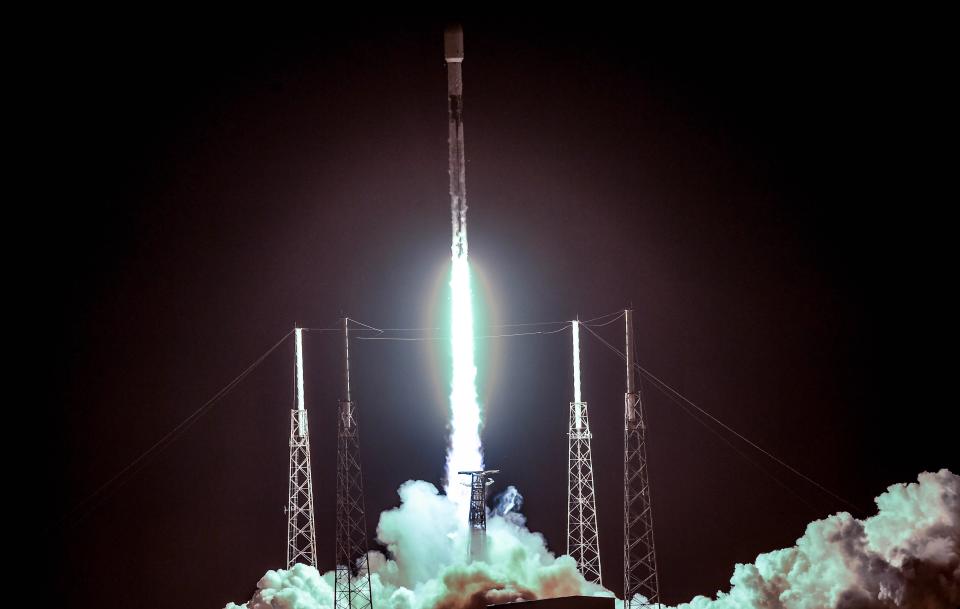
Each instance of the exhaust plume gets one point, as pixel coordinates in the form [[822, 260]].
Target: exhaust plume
[[465, 452]]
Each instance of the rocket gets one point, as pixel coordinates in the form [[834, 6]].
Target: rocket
[[453, 52]]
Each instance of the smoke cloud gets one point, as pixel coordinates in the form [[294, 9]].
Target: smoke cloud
[[509, 502], [906, 556], [426, 568]]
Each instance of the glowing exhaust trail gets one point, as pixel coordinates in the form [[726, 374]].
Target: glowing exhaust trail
[[465, 452]]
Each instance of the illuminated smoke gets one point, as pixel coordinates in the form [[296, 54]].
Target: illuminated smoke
[[508, 504], [907, 556], [426, 563], [465, 452]]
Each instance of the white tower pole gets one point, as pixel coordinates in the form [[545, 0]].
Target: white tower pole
[[301, 532], [583, 539]]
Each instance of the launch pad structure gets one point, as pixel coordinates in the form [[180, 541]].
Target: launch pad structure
[[301, 532], [639, 554], [583, 537], [352, 588], [477, 541]]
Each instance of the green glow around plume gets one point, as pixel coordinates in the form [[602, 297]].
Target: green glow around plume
[[465, 452]]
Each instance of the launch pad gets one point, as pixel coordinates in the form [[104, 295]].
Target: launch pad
[[479, 482], [562, 602]]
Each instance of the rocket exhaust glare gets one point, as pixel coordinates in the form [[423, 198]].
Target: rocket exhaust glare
[[465, 452]]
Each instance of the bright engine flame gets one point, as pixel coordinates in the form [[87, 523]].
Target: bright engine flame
[[465, 452]]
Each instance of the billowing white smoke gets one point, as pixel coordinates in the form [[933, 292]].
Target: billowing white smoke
[[509, 502], [907, 556], [427, 567]]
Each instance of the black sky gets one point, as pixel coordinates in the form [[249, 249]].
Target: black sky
[[763, 192]]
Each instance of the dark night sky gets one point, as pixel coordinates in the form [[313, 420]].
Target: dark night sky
[[764, 196]]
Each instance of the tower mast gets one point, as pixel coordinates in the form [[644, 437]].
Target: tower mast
[[477, 542], [301, 536], [583, 540], [639, 556], [352, 578]]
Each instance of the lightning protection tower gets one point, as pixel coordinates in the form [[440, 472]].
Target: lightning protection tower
[[639, 557], [301, 536], [583, 540], [479, 481], [352, 577]]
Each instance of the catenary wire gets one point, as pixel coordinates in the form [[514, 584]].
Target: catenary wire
[[619, 313], [479, 337], [687, 411], [606, 323], [370, 328], [86, 505], [670, 391]]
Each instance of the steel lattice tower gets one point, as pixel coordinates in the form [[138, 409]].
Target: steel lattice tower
[[477, 543], [352, 578], [583, 539], [639, 556], [301, 536]]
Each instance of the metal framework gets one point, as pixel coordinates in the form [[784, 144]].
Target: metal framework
[[352, 578], [477, 542], [301, 535], [639, 555], [583, 539]]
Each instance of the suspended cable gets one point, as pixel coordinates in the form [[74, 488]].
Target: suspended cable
[[606, 323], [84, 507], [541, 332], [364, 327], [532, 323], [784, 485], [670, 391], [404, 338], [619, 313], [482, 336]]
